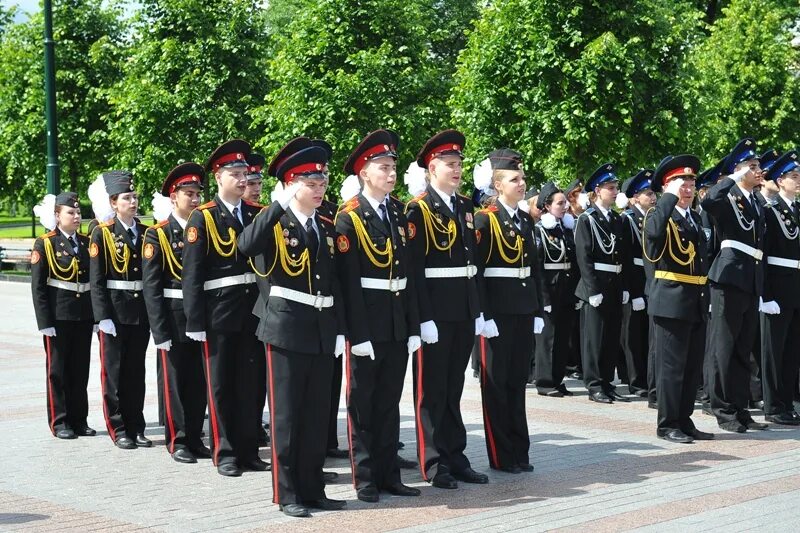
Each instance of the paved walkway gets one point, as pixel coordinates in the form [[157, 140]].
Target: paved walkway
[[598, 468]]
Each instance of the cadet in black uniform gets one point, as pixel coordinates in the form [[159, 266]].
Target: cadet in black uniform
[[441, 230], [252, 191], [119, 309], [181, 358], [603, 261], [675, 245], [780, 317], [219, 292], [510, 286], [736, 283], [555, 243], [574, 364], [60, 283], [382, 317], [303, 327]]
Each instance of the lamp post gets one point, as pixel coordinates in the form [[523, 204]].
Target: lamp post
[[53, 183]]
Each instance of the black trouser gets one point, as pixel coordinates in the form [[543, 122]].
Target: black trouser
[[184, 395], [122, 373], [503, 382], [373, 413], [652, 379], [553, 344], [333, 416], [634, 341], [438, 383], [734, 318], [68, 355], [600, 344], [231, 369], [575, 357], [679, 347], [261, 393], [780, 353], [162, 413], [299, 387]]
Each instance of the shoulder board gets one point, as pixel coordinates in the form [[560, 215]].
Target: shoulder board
[[628, 212], [252, 204], [488, 209], [50, 233], [349, 205], [326, 219], [589, 211], [207, 205], [160, 224], [420, 196], [464, 197], [79, 234], [106, 224]]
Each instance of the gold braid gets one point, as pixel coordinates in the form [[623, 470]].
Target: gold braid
[[67, 273], [431, 224], [167, 256], [502, 243], [370, 249], [119, 261], [672, 234], [216, 239]]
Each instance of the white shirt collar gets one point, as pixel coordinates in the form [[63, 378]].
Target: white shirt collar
[[789, 202], [745, 193], [301, 218], [602, 209], [511, 212], [446, 199], [230, 207], [181, 221], [637, 206], [375, 204], [126, 227], [68, 235], [682, 211]]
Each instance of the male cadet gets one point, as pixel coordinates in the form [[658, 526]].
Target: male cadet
[[769, 189], [303, 327], [574, 365], [218, 295], [441, 231], [736, 283], [603, 259], [676, 246], [382, 318], [181, 358], [252, 188], [635, 323], [780, 317]]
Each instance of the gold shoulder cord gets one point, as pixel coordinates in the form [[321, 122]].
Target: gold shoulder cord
[[119, 261], [673, 235], [292, 267], [216, 239], [431, 225], [67, 273], [370, 249], [496, 232], [167, 256]]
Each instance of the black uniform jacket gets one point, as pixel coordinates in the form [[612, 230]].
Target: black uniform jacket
[[375, 315], [672, 298], [502, 295], [109, 248], [553, 244], [589, 251], [633, 220], [52, 303], [451, 298], [782, 284], [277, 240]]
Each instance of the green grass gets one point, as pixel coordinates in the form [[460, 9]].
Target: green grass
[[6, 219], [19, 233]]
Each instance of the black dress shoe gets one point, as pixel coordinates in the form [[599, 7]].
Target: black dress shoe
[[752, 424], [398, 489], [733, 426], [183, 455], [617, 397], [401, 445], [326, 504], [85, 431], [66, 434], [470, 476], [126, 443], [639, 393], [600, 397], [652, 405], [336, 453], [696, 434], [143, 441], [526, 467], [576, 375], [294, 510], [511, 469], [368, 494], [758, 404], [563, 388], [674, 435], [552, 393], [444, 481], [263, 439], [785, 419], [255, 464], [406, 464], [200, 451], [329, 477], [229, 470]]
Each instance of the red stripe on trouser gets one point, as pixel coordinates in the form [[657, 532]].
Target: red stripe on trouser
[[486, 420], [275, 468], [109, 427], [52, 409], [167, 403], [349, 420], [420, 429], [212, 407]]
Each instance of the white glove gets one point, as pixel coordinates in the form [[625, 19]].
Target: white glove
[[538, 325], [414, 343], [489, 329], [596, 300], [738, 176], [638, 304], [429, 332], [340, 344], [674, 186], [769, 308], [548, 308], [166, 345], [107, 326], [479, 323], [625, 297], [363, 350], [199, 336], [48, 332], [285, 196]]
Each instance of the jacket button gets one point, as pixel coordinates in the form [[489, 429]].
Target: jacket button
[[397, 293], [397, 262], [135, 294], [317, 276], [246, 291], [136, 269], [134, 256], [523, 284], [77, 295]]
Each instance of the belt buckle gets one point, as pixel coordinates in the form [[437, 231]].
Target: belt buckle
[[319, 299], [469, 271], [759, 255], [521, 273], [394, 284]]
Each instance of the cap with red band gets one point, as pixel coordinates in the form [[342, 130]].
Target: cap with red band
[[291, 148], [233, 153], [185, 174], [447, 142], [681, 166], [379, 143], [308, 161]]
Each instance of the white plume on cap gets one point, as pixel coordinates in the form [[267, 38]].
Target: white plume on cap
[[524, 206], [482, 176], [350, 188], [414, 178], [622, 200], [583, 200], [568, 221], [101, 205], [162, 206], [278, 188], [46, 211]]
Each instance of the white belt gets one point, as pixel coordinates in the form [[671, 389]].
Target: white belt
[[68, 285], [638, 261], [557, 266], [396, 284], [319, 301], [229, 281], [742, 247], [468, 271], [505, 272], [173, 293], [605, 267], [783, 262], [120, 285]]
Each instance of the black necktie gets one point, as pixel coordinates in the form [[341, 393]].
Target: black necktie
[[385, 217], [453, 203], [236, 215], [132, 236], [73, 244], [689, 220], [754, 205], [515, 219], [795, 211], [311, 238]]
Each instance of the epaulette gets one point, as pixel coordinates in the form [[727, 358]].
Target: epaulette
[[50, 233], [349, 205], [251, 204], [464, 197], [326, 219], [160, 224], [487, 209], [588, 211], [106, 224], [418, 197], [207, 205]]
